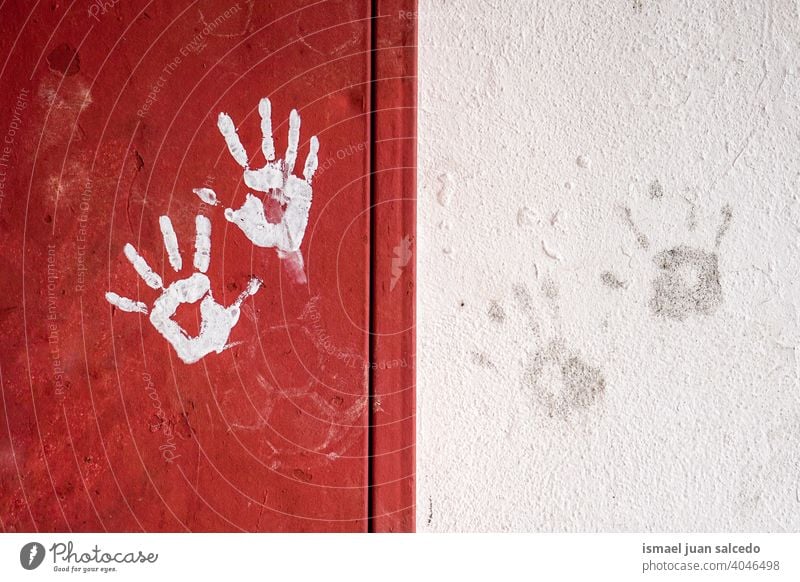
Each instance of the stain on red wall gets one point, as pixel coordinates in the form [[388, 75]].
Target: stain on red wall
[[110, 121]]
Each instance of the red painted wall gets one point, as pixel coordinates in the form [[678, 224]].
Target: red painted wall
[[109, 122]]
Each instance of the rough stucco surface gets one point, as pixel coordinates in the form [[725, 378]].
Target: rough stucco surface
[[608, 259]]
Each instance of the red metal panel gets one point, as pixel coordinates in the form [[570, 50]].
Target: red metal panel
[[110, 122], [392, 342]]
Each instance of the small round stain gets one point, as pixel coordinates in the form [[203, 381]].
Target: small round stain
[[583, 161], [301, 475], [656, 190], [525, 217], [568, 185], [443, 194], [64, 59]]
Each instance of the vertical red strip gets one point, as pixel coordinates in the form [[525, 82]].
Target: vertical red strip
[[393, 274]]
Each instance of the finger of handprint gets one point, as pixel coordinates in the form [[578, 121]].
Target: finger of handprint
[[267, 143], [202, 243], [252, 288], [207, 195], [170, 243], [311, 159], [228, 131], [126, 304], [147, 274], [294, 140]]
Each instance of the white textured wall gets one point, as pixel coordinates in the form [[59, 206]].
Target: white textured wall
[[608, 265]]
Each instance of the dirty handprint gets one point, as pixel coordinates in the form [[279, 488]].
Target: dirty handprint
[[688, 280]]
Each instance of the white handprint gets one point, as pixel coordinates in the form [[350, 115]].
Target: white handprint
[[216, 321], [275, 179]]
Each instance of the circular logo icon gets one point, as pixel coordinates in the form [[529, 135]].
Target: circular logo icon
[[31, 555]]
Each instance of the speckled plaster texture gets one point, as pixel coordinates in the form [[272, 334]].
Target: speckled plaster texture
[[608, 266]]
